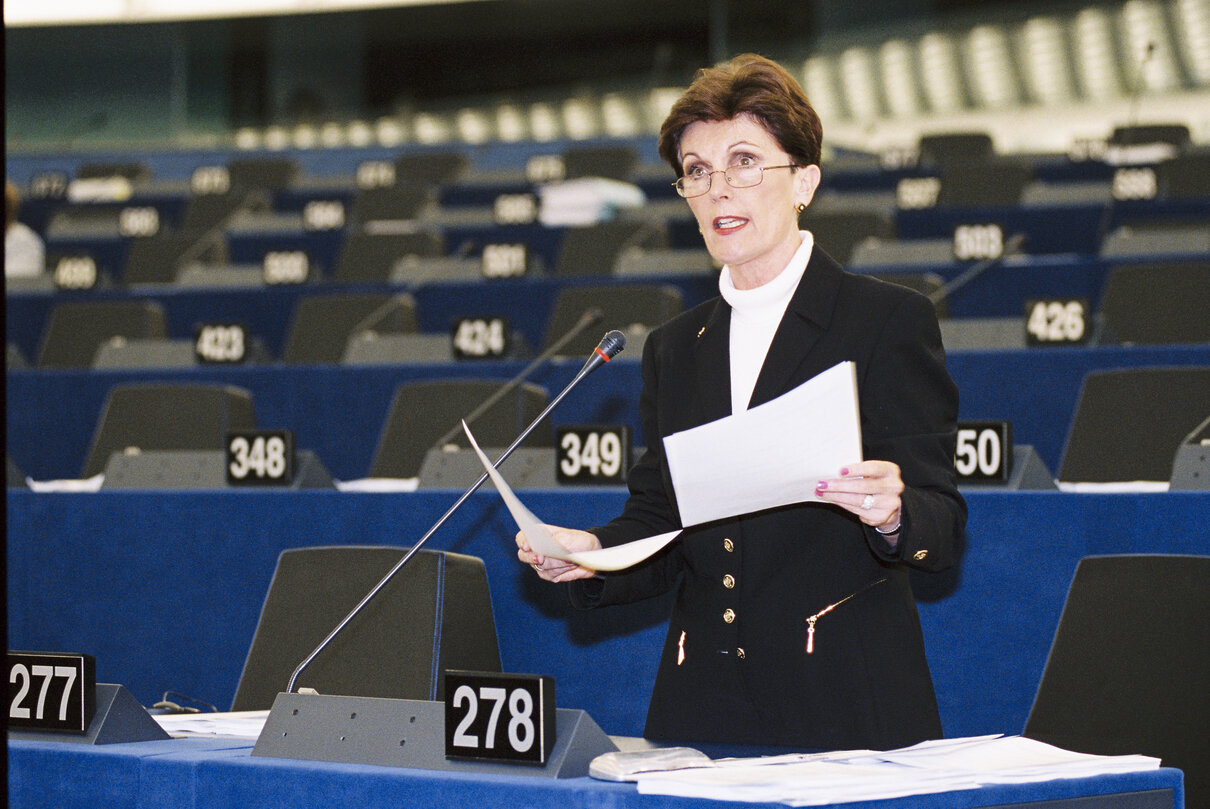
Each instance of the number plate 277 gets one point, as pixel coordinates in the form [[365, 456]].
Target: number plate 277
[[51, 691]]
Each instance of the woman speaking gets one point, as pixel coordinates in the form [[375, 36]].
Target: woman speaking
[[793, 626]]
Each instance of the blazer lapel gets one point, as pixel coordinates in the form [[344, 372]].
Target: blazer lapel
[[807, 317], [712, 360]]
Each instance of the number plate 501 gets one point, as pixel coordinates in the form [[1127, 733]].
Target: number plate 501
[[500, 717]]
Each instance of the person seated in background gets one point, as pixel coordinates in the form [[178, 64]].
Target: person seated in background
[[24, 253], [794, 626]]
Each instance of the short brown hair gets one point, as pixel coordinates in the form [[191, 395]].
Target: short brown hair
[[753, 85]]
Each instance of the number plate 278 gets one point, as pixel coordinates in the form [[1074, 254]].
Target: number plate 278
[[499, 717]]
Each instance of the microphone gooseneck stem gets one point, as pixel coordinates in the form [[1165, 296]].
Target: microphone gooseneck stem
[[593, 362], [589, 317], [975, 270]]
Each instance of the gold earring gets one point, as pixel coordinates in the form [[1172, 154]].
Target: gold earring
[[800, 207]]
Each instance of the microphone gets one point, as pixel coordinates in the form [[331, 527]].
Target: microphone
[[1199, 435], [609, 347], [975, 270], [1140, 77], [590, 317], [377, 316]]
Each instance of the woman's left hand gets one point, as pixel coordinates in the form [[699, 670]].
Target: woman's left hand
[[870, 489]]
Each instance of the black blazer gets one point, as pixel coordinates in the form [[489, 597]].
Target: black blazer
[[735, 666]]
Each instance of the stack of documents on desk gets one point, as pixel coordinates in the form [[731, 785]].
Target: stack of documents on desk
[[235, 724], [860, 775]]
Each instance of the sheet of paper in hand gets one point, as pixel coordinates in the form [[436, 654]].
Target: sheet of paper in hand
[[536, 532], [771, 455]]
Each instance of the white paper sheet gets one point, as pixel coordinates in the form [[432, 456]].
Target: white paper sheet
[[540, 539], [930, 767], [237, 724], [1013, 759], [771, 455]]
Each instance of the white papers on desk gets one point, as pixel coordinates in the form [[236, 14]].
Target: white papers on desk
[[231, 724], [92, 484], [1013, 760], [378, 485], [771, 455], [616, 558], [930, 767]]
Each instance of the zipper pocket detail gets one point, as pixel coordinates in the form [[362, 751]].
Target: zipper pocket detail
[[813, 618]]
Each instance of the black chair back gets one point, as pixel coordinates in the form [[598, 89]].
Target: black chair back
[[167, 417], [1129, 668], [434, 614], [426, 414]]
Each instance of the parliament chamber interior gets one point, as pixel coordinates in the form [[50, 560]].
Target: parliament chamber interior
[[234, 392]]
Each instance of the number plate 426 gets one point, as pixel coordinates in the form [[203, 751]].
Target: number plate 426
[[1057, 322]]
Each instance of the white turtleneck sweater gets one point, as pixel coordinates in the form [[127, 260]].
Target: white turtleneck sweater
[[755, 316]]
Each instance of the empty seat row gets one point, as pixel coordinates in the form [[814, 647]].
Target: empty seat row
[[1140, 304], [353, 327], [143, 419], [1129, 426]]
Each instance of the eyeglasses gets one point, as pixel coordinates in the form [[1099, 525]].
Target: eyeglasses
[[745, 176]]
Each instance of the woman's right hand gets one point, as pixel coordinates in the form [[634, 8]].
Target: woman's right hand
[[556, 569]]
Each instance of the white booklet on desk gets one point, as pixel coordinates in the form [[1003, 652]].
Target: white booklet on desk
[[771, 455]]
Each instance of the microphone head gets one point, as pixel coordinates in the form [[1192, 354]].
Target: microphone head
[[612, 344]]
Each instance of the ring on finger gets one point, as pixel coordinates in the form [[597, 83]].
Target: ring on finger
[[867, 503]]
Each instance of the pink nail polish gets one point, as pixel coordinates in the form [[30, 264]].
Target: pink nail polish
[[844, 472], [821, 485]]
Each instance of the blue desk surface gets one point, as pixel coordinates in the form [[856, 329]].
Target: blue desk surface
[[165, 589], [212, 774]]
